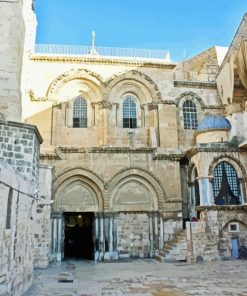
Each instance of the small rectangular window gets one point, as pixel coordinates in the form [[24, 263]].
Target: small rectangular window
[[233, 227]]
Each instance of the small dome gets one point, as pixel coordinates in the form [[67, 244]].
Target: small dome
[[214, 122]]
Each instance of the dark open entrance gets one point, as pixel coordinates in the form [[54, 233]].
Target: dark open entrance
[[78, 235]]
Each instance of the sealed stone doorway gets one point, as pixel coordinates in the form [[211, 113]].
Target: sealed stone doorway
[[78, 235]]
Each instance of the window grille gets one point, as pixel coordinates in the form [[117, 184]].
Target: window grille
[[129, 113], [190, 115], [232, 180], [80, 112]]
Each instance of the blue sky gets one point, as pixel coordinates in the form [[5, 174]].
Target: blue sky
[[180, 26]]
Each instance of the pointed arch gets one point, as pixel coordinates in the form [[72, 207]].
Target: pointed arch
[[139, 176], [78, 179]]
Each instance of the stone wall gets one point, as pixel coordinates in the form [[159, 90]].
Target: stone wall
[[210, 238], [11, 50], [16, 247], [20, 148], [42, 219], [133, 235], [19, 157]]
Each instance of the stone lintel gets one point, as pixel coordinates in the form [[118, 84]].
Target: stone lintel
[[195, 84]]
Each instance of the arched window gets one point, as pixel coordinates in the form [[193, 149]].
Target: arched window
[[190, 115], [80, 112], [129, 113], [226, 185]]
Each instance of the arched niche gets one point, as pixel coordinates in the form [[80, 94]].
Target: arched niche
[[133, 195], [78, 190], [78, 197], [144, 182]]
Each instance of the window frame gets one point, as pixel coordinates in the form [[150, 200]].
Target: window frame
[[129, 121], [190, 115], [81, 121]]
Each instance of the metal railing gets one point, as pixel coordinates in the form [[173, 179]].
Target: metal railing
[[51, 49]]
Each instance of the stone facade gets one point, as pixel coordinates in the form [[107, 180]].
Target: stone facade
[[125, 170]]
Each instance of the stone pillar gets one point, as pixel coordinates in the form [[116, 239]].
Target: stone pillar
[[156, 234], [111, 234], [105, 107], [54, 236], [206, 191], [151, 235], [101, 237], [59, 239], [161, 245], [96, 239], [242, 183]]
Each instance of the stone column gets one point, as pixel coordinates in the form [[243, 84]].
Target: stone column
[[206, 191], [105, 107], [101, 235], [161, 244], [151, 235], [96, 239], [156, 234], [242, 183], [54, 236], [59, 239], [111, 234]]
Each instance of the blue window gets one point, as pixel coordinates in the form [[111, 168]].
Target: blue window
[[226, 184]]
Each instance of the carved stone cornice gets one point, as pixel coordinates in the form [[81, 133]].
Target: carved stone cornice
[[49, 156], [196, 150], [102, 60], [168, 156], [222, 208], [121, 150], [66, 150], [195, 84]]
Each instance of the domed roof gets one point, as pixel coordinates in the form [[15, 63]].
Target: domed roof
[[214, 122]]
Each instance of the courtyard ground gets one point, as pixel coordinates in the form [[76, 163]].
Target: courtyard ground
[[141, 277]]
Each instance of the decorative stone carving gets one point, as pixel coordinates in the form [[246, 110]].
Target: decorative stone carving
[[34, 98], [104, 104]]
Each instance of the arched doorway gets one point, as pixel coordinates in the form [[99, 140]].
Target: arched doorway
[[78, 203]]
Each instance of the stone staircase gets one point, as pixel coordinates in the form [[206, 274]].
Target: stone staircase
[[175, 249]]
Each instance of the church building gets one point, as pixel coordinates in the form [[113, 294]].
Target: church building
[[139, 156]]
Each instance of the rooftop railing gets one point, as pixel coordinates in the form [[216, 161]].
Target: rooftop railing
[[78, 50]]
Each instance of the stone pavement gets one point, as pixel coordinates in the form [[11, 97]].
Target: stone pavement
[[141, 277]]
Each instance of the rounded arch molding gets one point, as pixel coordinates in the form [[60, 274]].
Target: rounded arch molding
[[235, 217], [75, 175], [72, 74], [134, 77], [142, 174], [239, 168], [190, 96]]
